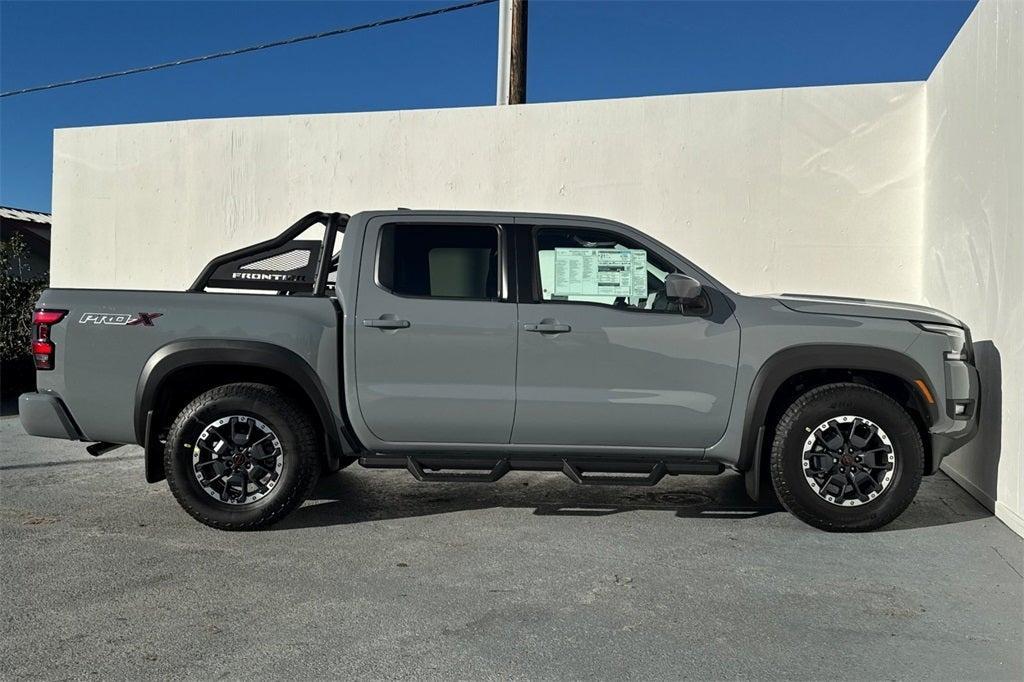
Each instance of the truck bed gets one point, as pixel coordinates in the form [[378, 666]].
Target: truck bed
[[103, 359]]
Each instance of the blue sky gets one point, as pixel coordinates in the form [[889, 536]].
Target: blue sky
[[578, 50]]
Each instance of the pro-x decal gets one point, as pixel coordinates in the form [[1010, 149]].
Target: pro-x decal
[[120, 319]]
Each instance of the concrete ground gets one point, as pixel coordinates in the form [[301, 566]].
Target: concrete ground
[[380, 576]]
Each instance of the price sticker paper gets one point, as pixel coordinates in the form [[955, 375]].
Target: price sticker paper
[[601, 272]]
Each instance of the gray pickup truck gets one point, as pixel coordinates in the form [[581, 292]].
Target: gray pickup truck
[[462, 345]]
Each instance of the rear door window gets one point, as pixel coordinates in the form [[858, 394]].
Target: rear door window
[[440, 261]]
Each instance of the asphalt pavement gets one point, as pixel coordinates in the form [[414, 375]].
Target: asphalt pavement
[[380, 576]]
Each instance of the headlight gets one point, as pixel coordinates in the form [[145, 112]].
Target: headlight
[[947, 329], [959, 336]]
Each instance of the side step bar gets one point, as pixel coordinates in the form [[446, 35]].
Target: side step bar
[[101, 448], [576, 475], [581, 472], [501, 467]]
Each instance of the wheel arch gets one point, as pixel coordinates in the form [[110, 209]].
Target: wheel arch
[[797, 369], [181, 370]]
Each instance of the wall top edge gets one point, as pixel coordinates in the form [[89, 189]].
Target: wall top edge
[[613, 102]]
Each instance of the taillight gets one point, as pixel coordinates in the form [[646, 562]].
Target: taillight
[[43, 349]]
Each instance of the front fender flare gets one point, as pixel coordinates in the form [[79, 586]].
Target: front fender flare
[[791, 361]]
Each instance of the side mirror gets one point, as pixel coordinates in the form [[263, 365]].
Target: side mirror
[[682, 288]]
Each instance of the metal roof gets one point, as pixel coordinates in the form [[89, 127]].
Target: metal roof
[[24, 216]]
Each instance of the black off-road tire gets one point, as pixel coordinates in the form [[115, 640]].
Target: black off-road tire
[[819, 405], [299, 443]]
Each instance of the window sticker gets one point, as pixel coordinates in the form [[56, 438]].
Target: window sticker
[[601, 272]]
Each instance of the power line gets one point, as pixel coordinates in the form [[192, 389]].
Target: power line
[[254, 48]]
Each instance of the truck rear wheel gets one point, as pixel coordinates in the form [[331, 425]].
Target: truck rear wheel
[[846, 457], [241, 456]]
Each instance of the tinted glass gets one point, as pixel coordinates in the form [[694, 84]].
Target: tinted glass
[[439, 261]]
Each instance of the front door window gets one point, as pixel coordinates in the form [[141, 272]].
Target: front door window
[[593, 266]]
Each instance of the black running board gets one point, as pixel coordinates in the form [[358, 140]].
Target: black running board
[[576, 475], [101, 448], [500, 468], [456, 469]]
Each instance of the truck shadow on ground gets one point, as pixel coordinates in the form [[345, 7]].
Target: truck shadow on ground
[[353, 497], [357, 496]]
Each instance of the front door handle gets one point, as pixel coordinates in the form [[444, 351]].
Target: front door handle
[[547, 327], [386, 322]]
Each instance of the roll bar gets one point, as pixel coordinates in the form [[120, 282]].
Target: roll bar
[[282, 263]]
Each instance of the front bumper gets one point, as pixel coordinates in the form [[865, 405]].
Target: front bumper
[[965, 428], [43, 414]]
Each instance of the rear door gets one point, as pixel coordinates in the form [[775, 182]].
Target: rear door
[[604, 358], [435, 339]]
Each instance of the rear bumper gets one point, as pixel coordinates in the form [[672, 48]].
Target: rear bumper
[[43, 414]]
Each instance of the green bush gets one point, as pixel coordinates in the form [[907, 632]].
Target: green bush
[[18, 294]]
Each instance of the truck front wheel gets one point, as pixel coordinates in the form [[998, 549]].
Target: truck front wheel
[[241, 456], [846, 457]]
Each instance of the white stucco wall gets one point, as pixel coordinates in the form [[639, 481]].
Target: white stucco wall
[[973, 236], [813, 189]]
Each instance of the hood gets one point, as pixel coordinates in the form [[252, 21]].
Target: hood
[[862, 307]]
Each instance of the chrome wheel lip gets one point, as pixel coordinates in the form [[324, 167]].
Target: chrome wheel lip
[[213, 451], [882, 482]]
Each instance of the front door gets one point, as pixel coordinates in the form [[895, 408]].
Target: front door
[[435, 339], [605, 359]]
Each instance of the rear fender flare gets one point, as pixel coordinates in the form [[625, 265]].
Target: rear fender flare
[[195, 352]]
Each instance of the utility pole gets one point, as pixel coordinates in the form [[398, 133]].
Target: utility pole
[[511, 51]]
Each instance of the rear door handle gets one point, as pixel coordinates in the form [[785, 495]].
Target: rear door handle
[[386, 323], [546, 327]]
